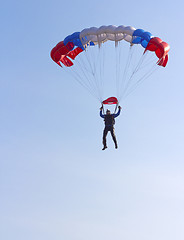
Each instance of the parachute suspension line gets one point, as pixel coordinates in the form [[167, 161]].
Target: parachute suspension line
[[146, 64], [99, 72], [118, 54], [132, 74], [99, 76], [86, 78], [88, 56], [93, 71], [123, 82], [116, 69], [102, 62], [149, 61], [138, 67], [142, 79], [86, 86], [77, 77], [92, 84], [131, 78], [138, 83], [127, 69]]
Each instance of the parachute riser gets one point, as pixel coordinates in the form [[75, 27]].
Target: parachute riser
[[103, 109], [116, 107]]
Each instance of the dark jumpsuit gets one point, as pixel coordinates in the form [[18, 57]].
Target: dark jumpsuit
[[109, 126]]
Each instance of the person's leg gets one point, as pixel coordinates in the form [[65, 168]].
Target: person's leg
[[104, 138], [114, 137]]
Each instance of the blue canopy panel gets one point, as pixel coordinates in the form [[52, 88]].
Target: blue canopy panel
[[75, 39], [141, 37]]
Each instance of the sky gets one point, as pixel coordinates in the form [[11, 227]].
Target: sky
[[55, 181]]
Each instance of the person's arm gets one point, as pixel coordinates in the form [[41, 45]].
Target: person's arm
[[101, 115], [118, 113]]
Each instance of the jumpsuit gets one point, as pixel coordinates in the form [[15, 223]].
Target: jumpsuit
[[109, 126]]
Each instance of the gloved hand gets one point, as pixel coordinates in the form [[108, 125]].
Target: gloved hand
[[101, 107], [119, 107]]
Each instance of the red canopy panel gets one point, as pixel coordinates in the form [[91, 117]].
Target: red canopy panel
[[60, 53], [161, 50]]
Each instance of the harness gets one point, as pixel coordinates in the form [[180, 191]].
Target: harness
[[109, 120]]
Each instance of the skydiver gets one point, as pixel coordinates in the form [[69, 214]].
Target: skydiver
[[109, 120]]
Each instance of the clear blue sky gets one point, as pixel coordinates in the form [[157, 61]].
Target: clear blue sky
[[55, 182]]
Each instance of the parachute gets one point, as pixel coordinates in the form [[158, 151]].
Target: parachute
[[98, 57]]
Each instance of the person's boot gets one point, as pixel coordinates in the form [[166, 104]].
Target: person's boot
[[104, 147], [116, 145]]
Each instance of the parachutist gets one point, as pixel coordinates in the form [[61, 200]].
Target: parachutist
[[109, 120]]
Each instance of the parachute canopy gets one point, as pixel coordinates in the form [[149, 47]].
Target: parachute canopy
[[88, 71], [75, 43]]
